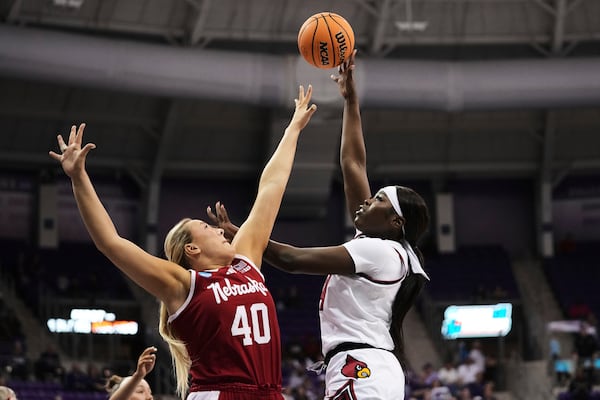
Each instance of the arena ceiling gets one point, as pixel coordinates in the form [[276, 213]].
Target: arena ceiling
[[203, 88]]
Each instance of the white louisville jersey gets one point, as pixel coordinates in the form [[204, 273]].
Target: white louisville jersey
[[358, 308]]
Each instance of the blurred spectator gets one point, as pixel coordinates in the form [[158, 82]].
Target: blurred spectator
[[488, 392], [439, 391], [97, 380], [422, 385], [48, 367], [592, 324], [491, 369], [585, 346], [555, 350], [448, 375], [464, 394], [19, 365], [430, 375], [308, 390], [463, 352], [468, 372], [300, 393], [297, 375], [76, 379], [410, 378], [580, 387], [106, 373], [476, 354], [557, 364]]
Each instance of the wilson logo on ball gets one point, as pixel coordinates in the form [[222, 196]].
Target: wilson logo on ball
[[325, 39]]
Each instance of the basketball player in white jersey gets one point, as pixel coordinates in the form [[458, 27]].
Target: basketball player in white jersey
[[373, 279]]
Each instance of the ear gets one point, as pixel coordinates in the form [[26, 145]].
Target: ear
[[191, 249], [398, 221]]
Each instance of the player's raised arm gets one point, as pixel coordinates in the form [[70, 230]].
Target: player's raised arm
[[353, 155], [251, 240], [165, 280]]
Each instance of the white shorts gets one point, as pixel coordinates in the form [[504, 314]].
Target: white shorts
[[364, 374], [212, 395]]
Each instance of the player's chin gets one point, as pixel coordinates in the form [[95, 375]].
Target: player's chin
[[359, 222]]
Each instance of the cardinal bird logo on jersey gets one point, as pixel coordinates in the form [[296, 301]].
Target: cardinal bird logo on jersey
[[355, 368]]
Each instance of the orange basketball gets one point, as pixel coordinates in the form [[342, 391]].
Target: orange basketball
[[325, 40]]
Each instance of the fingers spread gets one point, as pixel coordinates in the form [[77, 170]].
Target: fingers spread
[[79, 136], [72, 134], [61, 143], [55, 156], [87, 148], [211, 215]]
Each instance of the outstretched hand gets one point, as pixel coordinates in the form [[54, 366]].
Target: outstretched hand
[[303, 110], [345, 77], [221, 219], [72, 157], [146, 361]]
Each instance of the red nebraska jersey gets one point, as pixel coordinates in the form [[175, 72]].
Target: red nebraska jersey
[[229, 324]]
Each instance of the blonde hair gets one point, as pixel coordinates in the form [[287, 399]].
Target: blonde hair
[[113, 383], [7, 393], [174, 244]]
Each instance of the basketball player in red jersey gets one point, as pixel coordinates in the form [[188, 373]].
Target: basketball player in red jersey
[[372, 280], [216, 313]]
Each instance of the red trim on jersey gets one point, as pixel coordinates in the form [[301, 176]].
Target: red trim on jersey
[[363, 275], [346, 392], [323, 293], [367, 277], [399, 255]]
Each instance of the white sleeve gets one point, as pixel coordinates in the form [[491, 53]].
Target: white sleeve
[[377, 258]]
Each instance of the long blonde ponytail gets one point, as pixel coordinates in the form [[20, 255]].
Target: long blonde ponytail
[[174, 244], [179, 355]]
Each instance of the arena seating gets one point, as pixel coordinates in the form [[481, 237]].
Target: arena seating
[[471, 274]]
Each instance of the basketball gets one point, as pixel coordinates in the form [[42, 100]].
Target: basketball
[[325, 40]]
